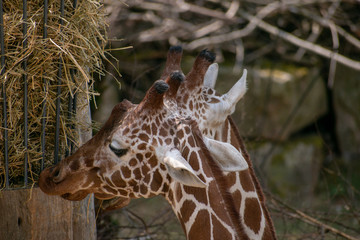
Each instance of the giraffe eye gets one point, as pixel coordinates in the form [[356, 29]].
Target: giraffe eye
[[115, 148]]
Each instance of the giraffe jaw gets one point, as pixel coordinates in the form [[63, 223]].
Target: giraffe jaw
[[78, 196]]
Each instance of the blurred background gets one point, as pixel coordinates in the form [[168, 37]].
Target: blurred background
[[300, 117]]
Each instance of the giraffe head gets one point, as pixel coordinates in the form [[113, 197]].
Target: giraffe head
[[196, 96], [139, 152]]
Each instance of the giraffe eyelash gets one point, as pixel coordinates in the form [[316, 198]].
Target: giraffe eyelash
[[118, 152]]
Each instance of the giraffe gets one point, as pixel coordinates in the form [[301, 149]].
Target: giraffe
[[151, 149], [198, 99]]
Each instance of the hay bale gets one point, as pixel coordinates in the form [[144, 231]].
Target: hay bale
[[78, 45]]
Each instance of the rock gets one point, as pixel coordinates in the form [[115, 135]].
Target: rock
[[347, 110], [272, 96], [291, 169]]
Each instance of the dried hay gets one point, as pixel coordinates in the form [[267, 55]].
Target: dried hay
[[79, 43]]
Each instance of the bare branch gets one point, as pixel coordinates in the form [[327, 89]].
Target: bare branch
[[312, 220], [302, 43]]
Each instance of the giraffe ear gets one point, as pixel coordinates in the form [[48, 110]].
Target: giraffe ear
[[237, 91], [221, 110], [226, 155], [211, 75], [180, 169]]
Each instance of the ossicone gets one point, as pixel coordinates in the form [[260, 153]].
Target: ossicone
[[195, 78], [154, 96], [173, 61]]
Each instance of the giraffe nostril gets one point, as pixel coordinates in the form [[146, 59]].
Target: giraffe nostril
[[57, 175]]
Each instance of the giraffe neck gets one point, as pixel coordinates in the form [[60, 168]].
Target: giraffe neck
[[210, 212], [200, 214], [243, 186]]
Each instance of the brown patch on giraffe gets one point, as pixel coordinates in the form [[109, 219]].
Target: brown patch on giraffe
[[148, 155], [146, 128], [147, 178], [237, 199], [111, 190], [202, 177], [109, 182], [200, 193], [178, 194], [187, 130], [165, 188], [144, 137], [187, 209], [219, 232], [246, 181], [196, 115], [162, 167], [168, 141], [139, 156], [201, 226], [194, 161], [153, 129], [252, 215], [156, 181], [116, 179], [191, 107], [191, 141], [137, 173], [145, 169], [126, 172], [133, 162], [132, 182], [126, 130], [186, 152], [171, 196], [153, 162], [163, 132], [135, 131], [143, 189], [231, 179], [123, 192], [180, 134], [142, 146]]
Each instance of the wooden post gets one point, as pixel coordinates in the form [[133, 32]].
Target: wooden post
[[31, 214]]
